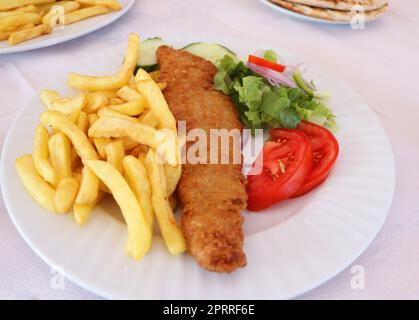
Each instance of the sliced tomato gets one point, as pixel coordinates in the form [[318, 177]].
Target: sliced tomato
[[266, 63], [326, 150], [284, 164]]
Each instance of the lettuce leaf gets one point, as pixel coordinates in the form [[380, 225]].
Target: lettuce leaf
[[262, 105]]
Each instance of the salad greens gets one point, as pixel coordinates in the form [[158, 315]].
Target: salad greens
[[262, 105], [270, 55]]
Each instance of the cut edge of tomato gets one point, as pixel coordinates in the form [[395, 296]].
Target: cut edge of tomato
[[305, 163]]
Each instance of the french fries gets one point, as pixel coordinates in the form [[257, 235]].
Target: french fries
[[108, 112], [158, 105], [89, 187], [19, 19], [107, 139], [85, 13], [23, 20], [131, 108], [78, 138], [48, 96], [149, 119], [40, 155], [82, 211], [115, 153], [171, 232], [128, 94], [91, 83], [60, 153], [95, 101], [139, 231], [107, 127], [4, 35], [53, 16], [65, 194], [69, 105], [37, 187], [13, 4], [29, 8], [137, 178], [111, 4], [28, 34], [83, 121]]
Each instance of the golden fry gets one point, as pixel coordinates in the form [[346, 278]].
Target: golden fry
[[95, 101], [116, 100], [18, 19], [149, 119], [69, 105], [65, 194], [139, 231], [82, 211], [4, 35], [83, 14], [89, 187], [107, 112], [131, 108], [100, 144], [171, 232], [83, 122], [29, 34], [12, 4], [60, 154], [111, 4], [48, 96], [53, 16], [128, 94], [136, 175], [106, 127], [91, 83], [156, 102], [40, 155], [78, 138], [115, 154], [37, 187]]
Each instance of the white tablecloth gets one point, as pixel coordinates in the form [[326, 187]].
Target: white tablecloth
[[380, 62]]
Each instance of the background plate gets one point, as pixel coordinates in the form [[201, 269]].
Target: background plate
[[300, 16], [70, 32], [291, 248]]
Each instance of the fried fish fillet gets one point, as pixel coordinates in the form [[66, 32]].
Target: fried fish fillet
[[212, 195]]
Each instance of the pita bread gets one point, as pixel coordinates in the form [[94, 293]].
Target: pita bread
[[328, 14], [345, 5]]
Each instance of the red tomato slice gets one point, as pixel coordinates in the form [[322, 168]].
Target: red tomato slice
[[326, 150], [266, 63], [286, 162]]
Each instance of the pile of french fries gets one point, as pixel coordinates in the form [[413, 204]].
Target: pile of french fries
[[22, 20], [117, 137]]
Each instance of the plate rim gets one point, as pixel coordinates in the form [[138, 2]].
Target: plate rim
[[64, 38], [300, 16], [106, 294]]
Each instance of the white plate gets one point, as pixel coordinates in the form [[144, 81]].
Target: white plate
[[70, 32], [300, 16], [291, 248]]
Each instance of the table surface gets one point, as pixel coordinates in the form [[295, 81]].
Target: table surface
[[379, 62]]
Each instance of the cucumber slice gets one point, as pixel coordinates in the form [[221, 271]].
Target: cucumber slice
[[209, 51], [148, 48]]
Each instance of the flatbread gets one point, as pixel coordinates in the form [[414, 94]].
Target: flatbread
[[345, 5], [328, 14]]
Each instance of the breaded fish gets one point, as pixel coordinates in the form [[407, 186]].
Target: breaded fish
[[212, 195]]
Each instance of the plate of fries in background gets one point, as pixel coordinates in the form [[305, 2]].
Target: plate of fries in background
[[33, 24]]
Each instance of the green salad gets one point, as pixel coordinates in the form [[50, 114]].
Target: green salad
[[263, 105]]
